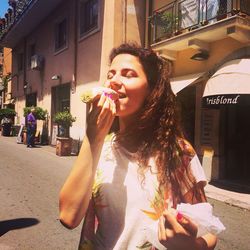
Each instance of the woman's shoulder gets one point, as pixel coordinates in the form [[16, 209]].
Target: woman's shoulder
[[186, 147]]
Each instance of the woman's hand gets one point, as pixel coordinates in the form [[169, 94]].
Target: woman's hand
[[100, 118], [177, 232]]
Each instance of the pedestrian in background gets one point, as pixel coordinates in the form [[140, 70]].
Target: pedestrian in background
[[122, 184], [31, 128]]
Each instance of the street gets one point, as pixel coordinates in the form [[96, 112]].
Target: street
[[30, 180]]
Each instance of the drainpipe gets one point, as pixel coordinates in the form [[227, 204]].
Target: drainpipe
[[74, 76], [24, 69], [148, 33], [124, 21]]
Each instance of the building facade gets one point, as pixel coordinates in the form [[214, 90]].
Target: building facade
[[61, 47], [207, 43], [5, 71]]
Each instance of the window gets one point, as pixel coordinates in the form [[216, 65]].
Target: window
[[88, 16], [61, 35], [20, 61], [31, 100]]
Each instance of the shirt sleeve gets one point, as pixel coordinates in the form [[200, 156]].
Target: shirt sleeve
[[197, 170]]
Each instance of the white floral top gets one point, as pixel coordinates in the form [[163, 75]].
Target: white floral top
[[123, 208]]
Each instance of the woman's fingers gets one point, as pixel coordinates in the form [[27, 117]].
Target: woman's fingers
[[106, 110], [188, 224], [161, 229], [180, 223], [101, 118], [165, 234]]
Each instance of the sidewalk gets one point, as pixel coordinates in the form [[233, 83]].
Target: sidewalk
[[239, 199]]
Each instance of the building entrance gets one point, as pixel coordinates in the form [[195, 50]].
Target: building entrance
[[186, 103], [237, 139]]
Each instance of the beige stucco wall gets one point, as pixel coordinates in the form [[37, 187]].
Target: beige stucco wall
[[7, 64], [39, 81], [83, 63], [160, 3], [7, 61], [119, 22], [218, 51]]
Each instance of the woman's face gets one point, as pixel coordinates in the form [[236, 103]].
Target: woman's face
[[127, 77]]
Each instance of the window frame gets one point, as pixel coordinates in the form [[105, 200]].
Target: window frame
[[85, 32], [58, 49]]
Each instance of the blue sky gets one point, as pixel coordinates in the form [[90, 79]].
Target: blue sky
[[3, 7]]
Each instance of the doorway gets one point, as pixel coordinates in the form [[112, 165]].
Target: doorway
[[186, 103], [60, 102], [237, 138], [60, 98]]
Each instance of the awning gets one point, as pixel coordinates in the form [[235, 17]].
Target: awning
[[230, 85], [181, 82]]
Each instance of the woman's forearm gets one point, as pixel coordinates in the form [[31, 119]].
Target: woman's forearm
[[206, 242], [76, 191]]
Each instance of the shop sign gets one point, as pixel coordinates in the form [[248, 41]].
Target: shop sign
[[231, 99]]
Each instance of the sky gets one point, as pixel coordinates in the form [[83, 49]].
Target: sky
[[3, 7]]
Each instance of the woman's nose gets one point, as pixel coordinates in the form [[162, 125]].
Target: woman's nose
[[115, 82]]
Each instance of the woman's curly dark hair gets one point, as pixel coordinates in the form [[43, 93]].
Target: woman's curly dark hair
[[156, 132]]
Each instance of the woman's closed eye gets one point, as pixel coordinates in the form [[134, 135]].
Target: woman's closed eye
[[110, 75], [128, 73]]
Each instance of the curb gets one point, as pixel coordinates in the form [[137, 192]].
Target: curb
[[231, 198]]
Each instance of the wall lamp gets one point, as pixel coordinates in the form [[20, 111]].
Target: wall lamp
[[202, 55], [25, 86], [55, 77]]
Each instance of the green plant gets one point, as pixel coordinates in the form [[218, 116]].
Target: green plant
[[222, 11], [5, 80], [40, 113], [64, 119], [7, 113], [169, 21], [166, 20]]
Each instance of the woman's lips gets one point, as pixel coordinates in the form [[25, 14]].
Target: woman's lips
[[121, 95]]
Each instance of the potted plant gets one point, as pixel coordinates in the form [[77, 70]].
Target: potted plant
[[167, 24], [6, 118], [64, 121], [40, 113], [222, 11]]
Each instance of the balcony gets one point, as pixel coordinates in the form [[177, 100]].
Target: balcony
[[195, 23], [22, 18]]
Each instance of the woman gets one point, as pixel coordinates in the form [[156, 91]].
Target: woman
[[122, 184]]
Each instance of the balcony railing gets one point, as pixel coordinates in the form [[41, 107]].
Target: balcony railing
[[13, 14], [179, 16]]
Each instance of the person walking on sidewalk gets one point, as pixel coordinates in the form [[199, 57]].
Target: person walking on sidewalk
[[31, 128], [124, 183]]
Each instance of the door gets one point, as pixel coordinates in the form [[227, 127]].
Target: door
[[237, 139], [60, 102]]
